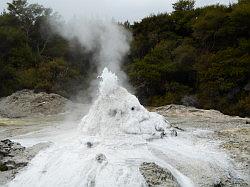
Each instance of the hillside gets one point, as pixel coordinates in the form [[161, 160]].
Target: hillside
[[198, 57]]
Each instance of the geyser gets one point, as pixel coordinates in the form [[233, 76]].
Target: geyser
[[114, 139], [116, 111], [107, 40]]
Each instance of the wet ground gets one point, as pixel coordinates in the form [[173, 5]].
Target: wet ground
[[232, 133]]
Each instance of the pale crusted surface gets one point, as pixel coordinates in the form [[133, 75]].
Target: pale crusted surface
[[198, 118], [232, 132], [116, 111]]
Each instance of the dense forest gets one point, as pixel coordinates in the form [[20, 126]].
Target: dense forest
[[191, 56]]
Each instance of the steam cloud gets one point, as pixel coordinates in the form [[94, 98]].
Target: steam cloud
[[109, 41]]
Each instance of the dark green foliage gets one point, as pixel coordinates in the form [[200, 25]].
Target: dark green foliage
[[34, 57], [202, 52], [183, 5]]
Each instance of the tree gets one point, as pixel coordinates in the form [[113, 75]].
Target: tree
[[27, 14], [184, 5], [31, 17], [209, 28]]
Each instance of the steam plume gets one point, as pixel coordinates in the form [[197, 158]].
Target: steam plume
[[109, 41]]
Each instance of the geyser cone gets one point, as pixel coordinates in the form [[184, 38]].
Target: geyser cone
[[116, 111]]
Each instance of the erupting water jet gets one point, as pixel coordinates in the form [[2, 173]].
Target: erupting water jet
[[116, 112]]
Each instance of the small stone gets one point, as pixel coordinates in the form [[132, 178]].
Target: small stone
[[3, 167], [173, 132], [163, 134], [100, 158], [89, 144]]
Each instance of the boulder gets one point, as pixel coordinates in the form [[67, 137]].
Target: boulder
[[14, 157], [157, 176]]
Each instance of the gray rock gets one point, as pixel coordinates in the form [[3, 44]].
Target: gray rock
[[14, 157], [100, 158], [157, 176], [89, 144], [173, 132]]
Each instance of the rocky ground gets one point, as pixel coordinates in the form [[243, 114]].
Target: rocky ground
[[14, 157], [232, 133], [157, 176]]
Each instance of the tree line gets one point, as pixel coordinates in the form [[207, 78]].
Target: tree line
[[191, 56]]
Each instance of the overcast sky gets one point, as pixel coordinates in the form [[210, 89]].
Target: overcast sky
[[120, 10]]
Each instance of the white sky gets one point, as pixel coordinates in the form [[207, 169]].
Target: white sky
[[120, 10]]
